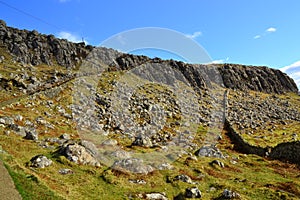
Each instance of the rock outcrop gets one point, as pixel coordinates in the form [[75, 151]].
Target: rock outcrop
[[30, 47], [233, 76], [261, 79]]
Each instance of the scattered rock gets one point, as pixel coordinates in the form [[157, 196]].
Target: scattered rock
[[228, 194], [156, 196], [142, 141], [218, 163], [193, 193], [40, 161], [209, 151], [132, 165], [65, 136], [110, 142], [31, 134], [138, 181], [19, 118], [183, 178], [165, 166], [65, 171]]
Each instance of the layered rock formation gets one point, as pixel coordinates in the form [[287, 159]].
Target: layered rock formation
[[30, 47]]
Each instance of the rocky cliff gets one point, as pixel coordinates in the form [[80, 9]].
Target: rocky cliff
[[30, 47]]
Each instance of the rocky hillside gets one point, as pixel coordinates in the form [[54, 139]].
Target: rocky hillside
[[80, 122], [30, 47]]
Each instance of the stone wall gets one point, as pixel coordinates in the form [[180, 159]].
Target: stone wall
[[288, 152]]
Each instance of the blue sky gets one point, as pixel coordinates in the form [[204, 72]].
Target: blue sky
[[253, 32]]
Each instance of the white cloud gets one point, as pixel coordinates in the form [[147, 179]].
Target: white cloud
[[293, 71], [71, 37], [194, 35], [293, 67], [271, 30], [63, 1], [217, 61], [267, 31], [220, 61]]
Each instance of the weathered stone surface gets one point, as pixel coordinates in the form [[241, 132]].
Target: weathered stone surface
[[65, 171], [40, 161], [209, 151], [132, 165], [31, 134], [218, 163], [193, 193], [260, 79], [90, 147], [183, 178], [233, 76], [247, 111], [33, 48], [142, 141], [228, 194], [78, 154], [156, 196]]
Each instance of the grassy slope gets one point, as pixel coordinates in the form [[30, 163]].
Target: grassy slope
[[251, 176]]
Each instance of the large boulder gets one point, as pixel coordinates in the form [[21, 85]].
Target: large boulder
[[40, 161], [209, 151], [78, 154]]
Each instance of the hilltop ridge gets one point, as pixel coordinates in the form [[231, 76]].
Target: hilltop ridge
[[30, 47]]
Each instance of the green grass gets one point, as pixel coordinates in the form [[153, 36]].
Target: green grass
[[251, 176], [29, 186]]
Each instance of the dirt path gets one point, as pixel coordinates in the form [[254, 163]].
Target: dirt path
[[7, 186]]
